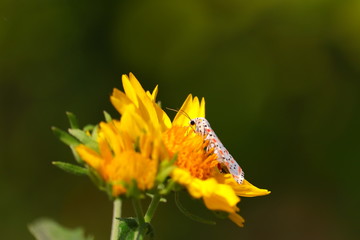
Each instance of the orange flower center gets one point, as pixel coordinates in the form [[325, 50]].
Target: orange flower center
[[191, 150]]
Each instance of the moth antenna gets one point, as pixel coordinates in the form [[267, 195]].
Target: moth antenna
[[181, 111], [185, 113], [172, 109]]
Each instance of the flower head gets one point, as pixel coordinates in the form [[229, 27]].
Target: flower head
[[197, 169], [130, 149], [127, 152]]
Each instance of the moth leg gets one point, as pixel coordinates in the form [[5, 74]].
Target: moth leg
[[222, 168]]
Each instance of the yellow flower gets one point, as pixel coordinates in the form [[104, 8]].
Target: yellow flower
[[127, 152], [195, 170], [218, 191], [130, 149]]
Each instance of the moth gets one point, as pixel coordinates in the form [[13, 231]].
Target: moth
[[227, 164]]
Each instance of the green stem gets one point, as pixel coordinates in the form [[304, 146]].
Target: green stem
[[138, 211], [115, 219], [152, 207]]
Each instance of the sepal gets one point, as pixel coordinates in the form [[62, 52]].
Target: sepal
[[71, 168], [100, 183], [165, 169], [107, 117], [72, 120], [65, 137], [84, 138], [132, 190]]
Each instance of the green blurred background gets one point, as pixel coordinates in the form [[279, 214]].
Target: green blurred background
[[281, 82]]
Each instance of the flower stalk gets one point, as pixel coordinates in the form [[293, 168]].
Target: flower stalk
[[152, 207], [115, 219], [138, 211]]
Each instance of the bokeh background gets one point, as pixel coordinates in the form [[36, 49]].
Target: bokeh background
[[281, 82]]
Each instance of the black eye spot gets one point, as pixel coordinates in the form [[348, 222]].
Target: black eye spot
[[192, 122]]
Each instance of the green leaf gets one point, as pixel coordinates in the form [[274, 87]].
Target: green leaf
[[190, 215], [65, 137], [145, 230], [73, 120], [84, 138], [107, 116], [128, 228], [47, 229], [71, 168]]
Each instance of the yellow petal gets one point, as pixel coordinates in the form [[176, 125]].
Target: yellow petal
[[154, 93], [134, 125], [147, 110], [191, 108], [202, 108], [245, 189], [181, 118], [120, 100], [89, 156], [237, 219], [105, 151], [181, 176], [111, 135], [216, 196], [136, 84], [165, 122], [129, 90], [221, 198], [146, 105]]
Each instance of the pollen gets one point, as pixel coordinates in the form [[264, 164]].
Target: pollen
[[191, 151]]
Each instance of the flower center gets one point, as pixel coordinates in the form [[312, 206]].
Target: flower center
[[191, 150]]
